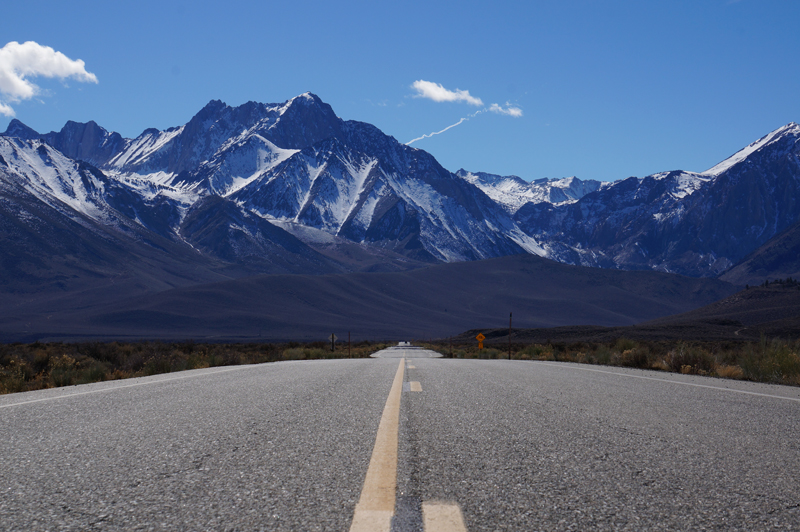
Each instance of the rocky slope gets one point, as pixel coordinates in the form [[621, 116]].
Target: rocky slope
[[697, 224]]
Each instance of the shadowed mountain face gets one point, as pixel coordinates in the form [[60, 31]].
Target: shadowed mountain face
[[428, 302], [779, 258], [755, 307], [762, 312]]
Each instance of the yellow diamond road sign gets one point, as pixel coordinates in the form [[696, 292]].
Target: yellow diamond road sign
[[480, 338]]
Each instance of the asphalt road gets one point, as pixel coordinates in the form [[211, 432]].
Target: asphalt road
[[512, 445]]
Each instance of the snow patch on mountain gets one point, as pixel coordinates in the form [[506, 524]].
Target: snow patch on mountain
[[138, 150], [512, 192], [359, 171], [51, 177], [242, 163], [682, 184], [741, 155]]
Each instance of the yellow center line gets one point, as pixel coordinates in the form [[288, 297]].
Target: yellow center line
[[442, 517], [375, 508]]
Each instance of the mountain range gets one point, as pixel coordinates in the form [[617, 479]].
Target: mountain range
[[698, 224], [88, 216]]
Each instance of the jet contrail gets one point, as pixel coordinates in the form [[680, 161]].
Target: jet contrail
[[445, 129], [436, 132]]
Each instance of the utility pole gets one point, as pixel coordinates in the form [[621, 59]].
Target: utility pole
[[349, 355], [509, 335]]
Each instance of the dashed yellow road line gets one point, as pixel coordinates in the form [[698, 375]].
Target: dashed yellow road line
[[442, 517], [416, 386], [412, 367], [375, 508]]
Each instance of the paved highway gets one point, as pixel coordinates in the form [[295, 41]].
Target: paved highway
[[478, 445]]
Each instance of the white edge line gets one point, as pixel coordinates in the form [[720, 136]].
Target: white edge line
[[113, 388], [670, 381]]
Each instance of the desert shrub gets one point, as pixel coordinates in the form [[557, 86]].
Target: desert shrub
[[309, 353], [536, 352], [624, 344], [316, 352], [635, 358], [63, 370], [602, 355], [697, 359], [556, 352], [771, 361], [134, 362], [221, 356], [41, 360], [787, 361], [156, 365], [93, 371], [729, 372], [196, 361], [13, 376], [294, 353], [489, 353]]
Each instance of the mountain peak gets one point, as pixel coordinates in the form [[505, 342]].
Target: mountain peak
[[18, 129], [789, 129], [209, 111], [72, 127], [305, 120], [307, 98], [214, 105]]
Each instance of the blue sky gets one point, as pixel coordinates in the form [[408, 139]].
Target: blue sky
[[606, 89]]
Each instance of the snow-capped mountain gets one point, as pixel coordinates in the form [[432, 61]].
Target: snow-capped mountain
[[684, 222], [512, 192], [292, 187], [294, 165]]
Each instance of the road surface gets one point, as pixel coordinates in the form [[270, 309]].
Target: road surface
[[479, 445]]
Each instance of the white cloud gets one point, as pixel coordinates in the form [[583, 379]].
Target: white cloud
[[508, 110], [437, 93], [20, 62]]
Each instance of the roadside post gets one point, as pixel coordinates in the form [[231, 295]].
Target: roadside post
[[333, 340], [509, 335]]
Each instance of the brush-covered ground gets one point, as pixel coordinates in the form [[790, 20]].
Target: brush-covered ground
[[773, 361], [25, 367]]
